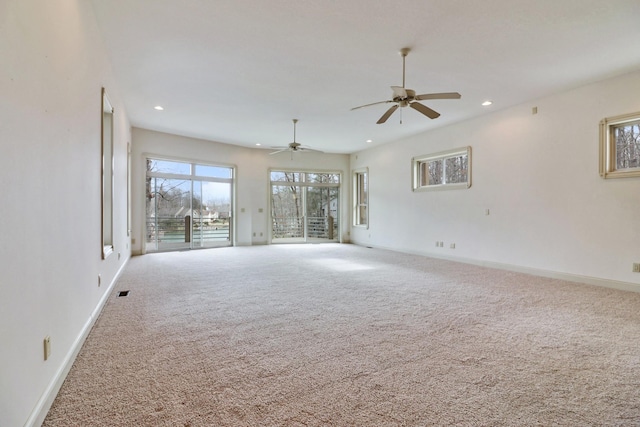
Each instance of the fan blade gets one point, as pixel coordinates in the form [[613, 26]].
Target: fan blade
[[386, 115], [445, 95], [424, 110], [368, 105], [309, 149], [399, 92], [281, 150]]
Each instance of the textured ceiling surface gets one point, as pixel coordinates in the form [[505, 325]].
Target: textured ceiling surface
[[238, 71]]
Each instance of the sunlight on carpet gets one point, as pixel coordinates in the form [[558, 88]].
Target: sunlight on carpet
[[340, 335]]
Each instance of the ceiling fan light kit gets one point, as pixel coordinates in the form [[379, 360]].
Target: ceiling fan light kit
[[403, 97]]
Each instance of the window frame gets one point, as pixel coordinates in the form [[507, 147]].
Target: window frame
[[107, 174], [357, 201], [192, 177], [418, 161], [303, 175], [607, 164]]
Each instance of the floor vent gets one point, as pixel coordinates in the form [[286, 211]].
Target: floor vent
[[123, 293]]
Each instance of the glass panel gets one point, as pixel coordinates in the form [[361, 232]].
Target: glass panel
[[151, 214], [627, 140], [213, 171], [322, 213], [287, 212], [362, 215], [431, 172], [456, 169], [169, 214], [332, 178], [165, 166], [361, 198], [362, 188], [286, 176], [212, 217]]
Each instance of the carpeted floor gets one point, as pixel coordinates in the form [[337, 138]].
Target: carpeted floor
[[341, 335]]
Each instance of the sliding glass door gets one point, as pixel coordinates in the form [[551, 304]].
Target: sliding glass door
[[188, 205]]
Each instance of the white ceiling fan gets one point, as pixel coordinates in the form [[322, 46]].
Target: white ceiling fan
[[403, 97], [294, 146]]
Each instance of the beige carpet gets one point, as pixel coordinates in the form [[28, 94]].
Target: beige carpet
[[340, 335]]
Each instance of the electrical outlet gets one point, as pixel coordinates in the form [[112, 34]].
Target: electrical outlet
[[47, 347], [636, 267]]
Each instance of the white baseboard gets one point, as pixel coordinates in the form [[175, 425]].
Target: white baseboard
[[41, 409], [588, 280]]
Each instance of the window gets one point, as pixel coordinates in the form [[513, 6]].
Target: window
[[620, 146], [107, 175], [305, 206], [189, 205], [444, 170], [361, 197]]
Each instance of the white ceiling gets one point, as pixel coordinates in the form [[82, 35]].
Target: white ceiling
[[238, 71]]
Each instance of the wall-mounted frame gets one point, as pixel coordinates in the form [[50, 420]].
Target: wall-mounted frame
[[445, 170], [620, 146], [107, 175]]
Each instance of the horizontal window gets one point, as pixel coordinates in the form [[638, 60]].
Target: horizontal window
[[306, 178], [444, 170]]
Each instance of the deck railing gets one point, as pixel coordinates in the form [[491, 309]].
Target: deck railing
[[317, 227], [170, 229]]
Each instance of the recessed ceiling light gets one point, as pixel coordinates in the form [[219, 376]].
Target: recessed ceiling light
[[486, 103], [159, 107]]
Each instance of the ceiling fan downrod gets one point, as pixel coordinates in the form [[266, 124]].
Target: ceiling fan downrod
[[404, 52], [294, 129]]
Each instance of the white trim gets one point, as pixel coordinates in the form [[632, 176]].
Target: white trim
[[41, 409], [576, 278]]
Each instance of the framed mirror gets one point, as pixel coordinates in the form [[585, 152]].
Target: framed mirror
[[107, 175]]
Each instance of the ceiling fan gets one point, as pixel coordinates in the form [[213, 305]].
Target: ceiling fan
[[403, 97], [294, 146]]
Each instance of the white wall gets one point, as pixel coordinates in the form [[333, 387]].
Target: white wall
[[550, 212], [252, 170], [53, 66]]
